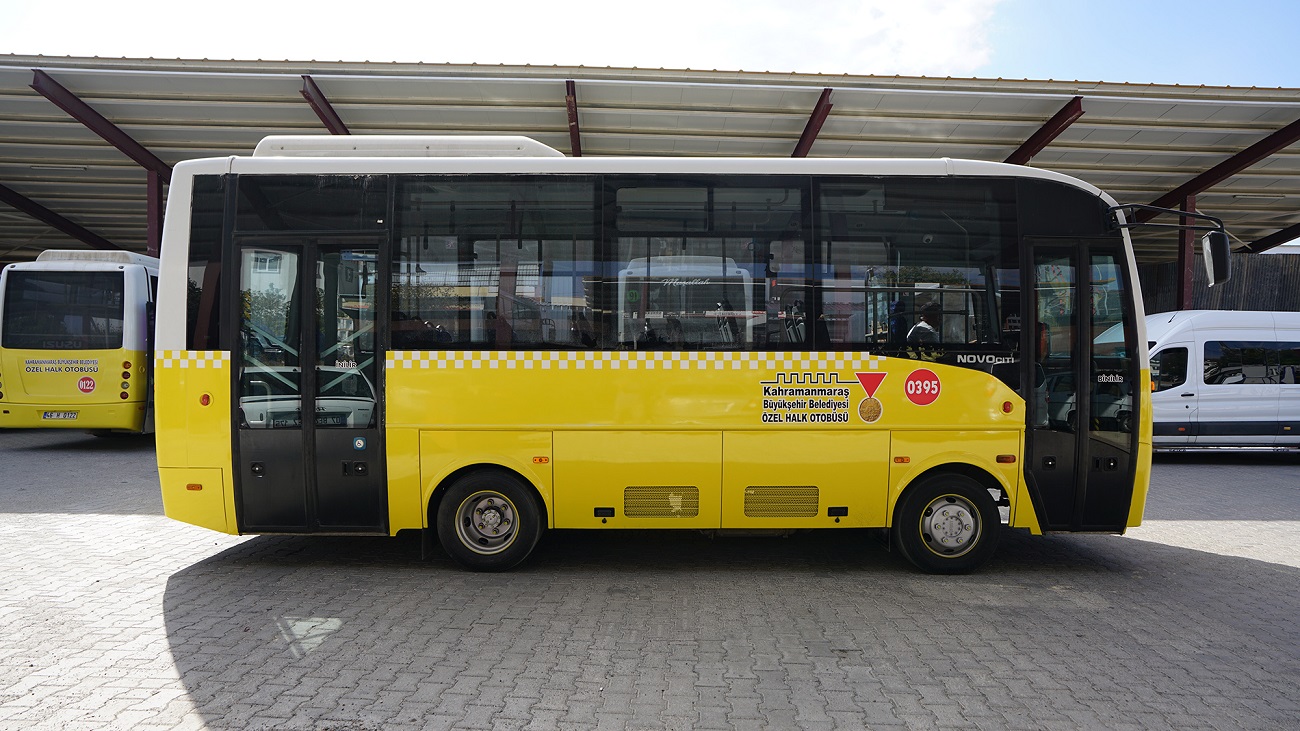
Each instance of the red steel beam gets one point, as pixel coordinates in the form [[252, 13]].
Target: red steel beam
[[1273, 143], [814, 126], [1277, 238], [571, 103], [1050, 130], [321, 105], [54, 220], [47, 87]]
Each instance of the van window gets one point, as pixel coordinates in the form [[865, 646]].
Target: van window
[[1169, 368], [1288, 355], [1236, 362]]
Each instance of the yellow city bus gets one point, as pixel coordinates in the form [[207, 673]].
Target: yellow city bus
[[76, 333], [492, 340]]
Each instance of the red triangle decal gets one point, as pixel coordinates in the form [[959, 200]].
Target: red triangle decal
[[871, 381]]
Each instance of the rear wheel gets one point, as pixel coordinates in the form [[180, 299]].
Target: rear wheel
[[489, 520], [947, 524]]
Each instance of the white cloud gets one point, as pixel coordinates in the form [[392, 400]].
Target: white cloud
[[931, 37]]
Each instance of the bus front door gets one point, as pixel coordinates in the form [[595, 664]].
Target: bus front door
[[1081, 437], [309, 447]]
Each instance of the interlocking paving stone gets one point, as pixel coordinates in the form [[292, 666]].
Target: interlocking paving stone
[[112, 616]]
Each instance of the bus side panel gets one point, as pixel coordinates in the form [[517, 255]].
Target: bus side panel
[[638, 479], [925, 450], [796, 479], [193, 437], [1145, 448], [194, 496], [525, 452], [402, 462]]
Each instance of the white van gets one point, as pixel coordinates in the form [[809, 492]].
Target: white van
[[1225, 378]]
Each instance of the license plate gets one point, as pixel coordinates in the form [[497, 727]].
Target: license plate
[[57, 415], [331, 419]]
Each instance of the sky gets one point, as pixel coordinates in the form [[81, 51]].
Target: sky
[[1242, 43], [1191, 42]]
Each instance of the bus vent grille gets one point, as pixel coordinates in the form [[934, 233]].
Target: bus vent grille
[[781, 502], [661, 501]]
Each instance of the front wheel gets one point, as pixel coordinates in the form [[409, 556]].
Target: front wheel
[[489, 520], [947, 524]]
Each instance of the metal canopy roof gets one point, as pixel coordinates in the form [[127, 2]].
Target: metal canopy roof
[[1234, 147]]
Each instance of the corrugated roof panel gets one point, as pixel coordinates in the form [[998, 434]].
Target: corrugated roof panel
[[1136, 140]]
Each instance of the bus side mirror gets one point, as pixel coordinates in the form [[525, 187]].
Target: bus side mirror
[[1217, 252]]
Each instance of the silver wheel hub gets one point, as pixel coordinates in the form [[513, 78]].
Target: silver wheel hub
[[486, 522], [950, 525]]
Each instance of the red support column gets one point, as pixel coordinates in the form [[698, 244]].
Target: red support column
[[571, 104], [1186, 256], [154, 214]]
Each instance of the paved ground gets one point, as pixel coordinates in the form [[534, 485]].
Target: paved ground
[[112, 616]]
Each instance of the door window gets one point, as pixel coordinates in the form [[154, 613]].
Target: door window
[[345, 339], [1111, 387], [270, 381], [1055, 344], [1168, 369]]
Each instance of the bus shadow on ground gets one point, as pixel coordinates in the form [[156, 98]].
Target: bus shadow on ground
[[296, 632]]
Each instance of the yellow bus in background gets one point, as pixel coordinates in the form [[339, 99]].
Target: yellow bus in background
[[482, 339], [76, 333]]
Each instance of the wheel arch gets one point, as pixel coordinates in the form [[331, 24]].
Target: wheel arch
[[985, 478], [440, 489]]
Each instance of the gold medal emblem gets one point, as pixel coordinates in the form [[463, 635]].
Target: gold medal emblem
[[870, 409]]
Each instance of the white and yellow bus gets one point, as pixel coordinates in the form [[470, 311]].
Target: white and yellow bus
[[491, 340], [76, 332]]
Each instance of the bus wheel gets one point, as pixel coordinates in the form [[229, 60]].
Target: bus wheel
[[947, 524], [489, 521]]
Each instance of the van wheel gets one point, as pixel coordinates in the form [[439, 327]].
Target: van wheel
[[947, 524], [489, 520]]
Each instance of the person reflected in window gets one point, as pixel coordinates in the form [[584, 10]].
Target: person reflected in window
[[926, 329]]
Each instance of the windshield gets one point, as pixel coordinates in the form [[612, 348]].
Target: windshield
[[76, 310]]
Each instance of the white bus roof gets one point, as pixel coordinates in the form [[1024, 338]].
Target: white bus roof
[[402, 146], [106, 257], [449, 154]]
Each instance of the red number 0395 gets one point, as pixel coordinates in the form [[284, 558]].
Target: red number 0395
[[922, 387]]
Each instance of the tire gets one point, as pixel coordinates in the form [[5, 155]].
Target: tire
[[947, 524], [489, 520]]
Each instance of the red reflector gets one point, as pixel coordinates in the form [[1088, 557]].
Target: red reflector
[[1007, 407], [1006, 459], [902, 460], [194, 487], [205, 400]]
